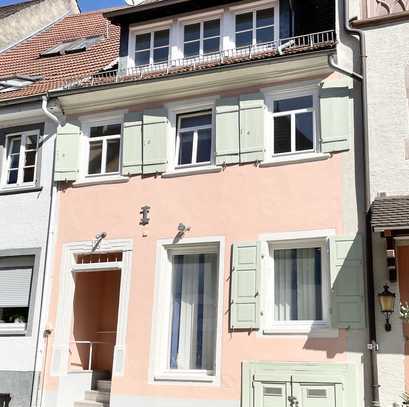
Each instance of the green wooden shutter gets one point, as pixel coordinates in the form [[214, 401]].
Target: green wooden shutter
[[227, 131], [67, 153], [337, 116], [132, 144], [347, 299], [251, 127], [245, 281], [155, 134]]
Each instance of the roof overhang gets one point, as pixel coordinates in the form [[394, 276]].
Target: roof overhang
[[193, 84], [22, 112]]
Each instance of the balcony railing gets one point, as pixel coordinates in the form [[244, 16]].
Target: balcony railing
[[286, 46]]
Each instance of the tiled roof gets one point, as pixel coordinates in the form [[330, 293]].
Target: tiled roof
[[390, 212], [6, 11], [24, 59]]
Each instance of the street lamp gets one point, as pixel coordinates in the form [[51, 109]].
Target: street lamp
[[387, 303]]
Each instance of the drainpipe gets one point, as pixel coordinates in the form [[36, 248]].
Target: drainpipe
[[46, 333], [372, 346]]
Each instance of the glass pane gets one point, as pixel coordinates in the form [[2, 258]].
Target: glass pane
[[12, 178], [297, 285], [195, 121], [304, 136], [194, 312], [113, 148], [192, 32], [192, 49], [186, 148], [95, 158], [109, 130], [142, 58], [30, 158], [14, 160], [15, 145], [211, 45], [265, 35], [282, 134], [204, 146], [244, 39], [244, 22], [265, 17], [160, 55], [13, 315], [286, 105], [161, 38], [211, 28], [28, 174], [143, 42], [31, 143]]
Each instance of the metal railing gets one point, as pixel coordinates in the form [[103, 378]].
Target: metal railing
[[323, 39], [91, 345]]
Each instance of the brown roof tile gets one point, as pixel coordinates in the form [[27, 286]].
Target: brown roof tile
[[6, 11], [390, 212]]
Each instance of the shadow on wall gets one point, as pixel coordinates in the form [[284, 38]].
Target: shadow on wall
[[5, 400]]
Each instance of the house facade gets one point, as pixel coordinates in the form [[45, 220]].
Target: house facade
[[211, 230]]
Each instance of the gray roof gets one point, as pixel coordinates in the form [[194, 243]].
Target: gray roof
[[391, 212], [6, 11]]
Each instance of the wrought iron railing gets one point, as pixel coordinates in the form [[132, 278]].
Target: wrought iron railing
[[284, 46]]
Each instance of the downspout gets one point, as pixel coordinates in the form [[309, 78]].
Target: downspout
[[372, 346], [44, 107]]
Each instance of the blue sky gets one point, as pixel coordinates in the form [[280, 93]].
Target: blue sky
[[86, 5]]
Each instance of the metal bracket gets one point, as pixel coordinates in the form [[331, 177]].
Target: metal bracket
[[145, 212], [373, 347]]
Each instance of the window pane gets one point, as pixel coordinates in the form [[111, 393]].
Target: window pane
[[286, 105], [28, 174], [161, 38], [192, 32], [30, 158], [142, 58], [192, 49], [14, 160], [186, 148], [95, 158], [265, 17], [297, 285], [211, 45], [265, 35], [113, 149], [12, 178], [304, 136], [160, 55], [109, 130], [194, 312], [31, 143], [204, 146], [196, 121], [143, 42], [282, 134], [244, 39], [12, 315], [211, 28], [244, 22], [15, 145]]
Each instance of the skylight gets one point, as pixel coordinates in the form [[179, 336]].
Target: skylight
[[70, 47], [16, 82]]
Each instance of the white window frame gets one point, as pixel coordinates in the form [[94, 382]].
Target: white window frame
[[296, 240], [160, 349], [20, 178]]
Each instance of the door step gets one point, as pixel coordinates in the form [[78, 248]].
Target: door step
[[97, 398], [96, 395], [89, 403], [104, 385]]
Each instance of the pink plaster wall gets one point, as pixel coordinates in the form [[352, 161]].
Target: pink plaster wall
[[240, 203]]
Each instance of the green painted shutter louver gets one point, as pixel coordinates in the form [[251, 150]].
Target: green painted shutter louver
[[227, 131], [347, 297], [245, 282], [67, 152], [252, 127], [337, 116], [155, 134], [132, 144]]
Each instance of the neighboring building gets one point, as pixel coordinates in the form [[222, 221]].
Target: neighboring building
[[27, 195], [211, 226], [24, 19], [386, 29]]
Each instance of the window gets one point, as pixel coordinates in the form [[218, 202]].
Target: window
[[194, 139], [104, 149], [21, 159], [202, 38], [78, 45], [255, 27], [152, 48], [294, 125]]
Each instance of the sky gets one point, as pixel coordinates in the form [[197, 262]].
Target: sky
[[86, 5]]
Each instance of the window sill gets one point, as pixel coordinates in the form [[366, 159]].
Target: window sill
[[116, 179], [191, 171], [312, 331], [294, 159], [19, 190], [13, 329], [185, 376]]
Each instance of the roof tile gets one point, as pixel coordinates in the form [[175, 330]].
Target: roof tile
[[390, 212]]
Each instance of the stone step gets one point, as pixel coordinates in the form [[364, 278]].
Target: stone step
[[89, 403], [95, 395], [104, 385]]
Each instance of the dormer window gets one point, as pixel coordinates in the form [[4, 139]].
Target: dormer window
[[202, 38], [152, 48]]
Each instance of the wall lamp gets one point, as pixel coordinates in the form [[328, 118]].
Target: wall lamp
[[387, 303]]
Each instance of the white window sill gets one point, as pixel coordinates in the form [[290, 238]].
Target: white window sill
[[191, 171], [13, 328], [16, 189], [109, 179], [315, 330], [293, 159], [201, 376]]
